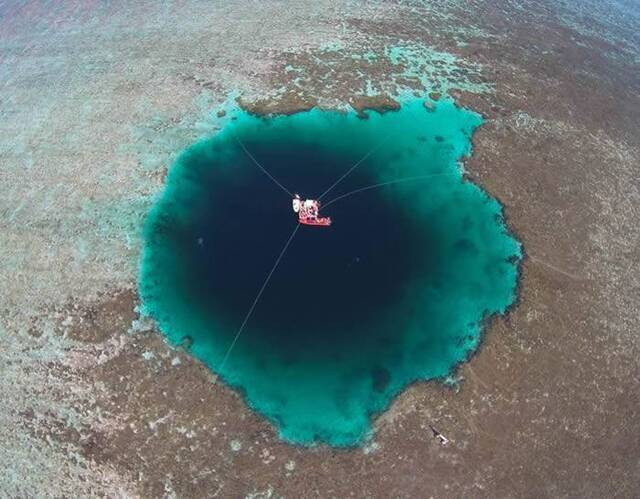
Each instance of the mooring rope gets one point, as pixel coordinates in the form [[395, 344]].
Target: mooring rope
[[374, 149], [382, 184], [255, 302], [263, 168], [348, 172]]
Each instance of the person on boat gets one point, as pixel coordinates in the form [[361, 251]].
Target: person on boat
[[308, 210]]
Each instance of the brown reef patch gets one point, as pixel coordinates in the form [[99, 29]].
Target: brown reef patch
[[286, 104], [95, 323], [380, 103]]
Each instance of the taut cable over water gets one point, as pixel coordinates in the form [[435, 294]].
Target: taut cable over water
[[255, 302], [264, 170], [382, 184], [348, 172]]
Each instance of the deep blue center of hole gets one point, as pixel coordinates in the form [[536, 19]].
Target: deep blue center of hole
[[331, 278]]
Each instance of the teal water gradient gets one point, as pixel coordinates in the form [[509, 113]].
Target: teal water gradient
[[396, 291]]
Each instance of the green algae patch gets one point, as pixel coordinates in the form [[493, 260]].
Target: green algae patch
[[395, 291]]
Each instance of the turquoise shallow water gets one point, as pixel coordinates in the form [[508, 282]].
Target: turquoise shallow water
[[397, 290]]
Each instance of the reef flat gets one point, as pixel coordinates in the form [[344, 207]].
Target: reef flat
[[98, 99]]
